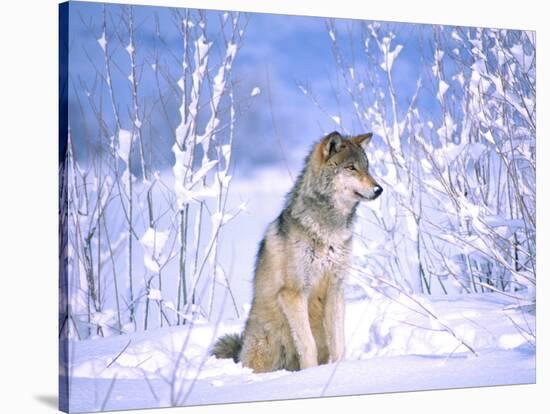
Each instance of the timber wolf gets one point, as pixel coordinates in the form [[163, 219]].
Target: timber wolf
[[297, 316]]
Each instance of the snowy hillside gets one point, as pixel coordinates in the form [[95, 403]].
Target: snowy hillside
[[388, 349]]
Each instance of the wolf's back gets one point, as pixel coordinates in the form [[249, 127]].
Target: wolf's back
[[228, 346]]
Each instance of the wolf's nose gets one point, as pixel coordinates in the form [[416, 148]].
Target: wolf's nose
[[378, 190]]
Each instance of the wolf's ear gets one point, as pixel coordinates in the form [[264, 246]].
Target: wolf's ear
[[331, 144], [362, 140]]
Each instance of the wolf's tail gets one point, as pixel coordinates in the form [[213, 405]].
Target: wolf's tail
[[228, 346]]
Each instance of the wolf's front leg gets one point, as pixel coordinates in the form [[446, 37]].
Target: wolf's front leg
[[295, 308], [334, 320]]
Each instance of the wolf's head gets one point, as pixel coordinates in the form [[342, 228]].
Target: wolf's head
[[344, 162]]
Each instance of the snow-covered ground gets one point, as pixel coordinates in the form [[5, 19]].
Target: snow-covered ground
[[390, 347]]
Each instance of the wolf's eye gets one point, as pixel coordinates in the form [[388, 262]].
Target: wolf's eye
[[351, 168]]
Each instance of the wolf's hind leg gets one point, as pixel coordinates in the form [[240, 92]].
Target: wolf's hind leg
[[257, 354], [295, 308]]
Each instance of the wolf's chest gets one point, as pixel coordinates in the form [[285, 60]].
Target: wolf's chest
[[324, 258]]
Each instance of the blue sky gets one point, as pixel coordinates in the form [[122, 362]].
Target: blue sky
[[290, 50]]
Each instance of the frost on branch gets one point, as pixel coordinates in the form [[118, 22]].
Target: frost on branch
[[153, 242], [458, 172], [142, 238], [255, 91]]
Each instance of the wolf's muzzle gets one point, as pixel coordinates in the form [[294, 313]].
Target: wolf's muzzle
[[377, 191]]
